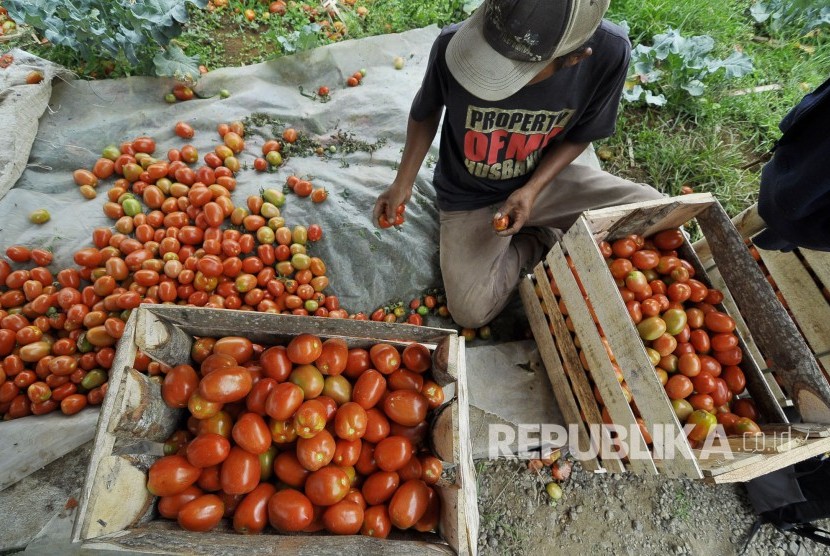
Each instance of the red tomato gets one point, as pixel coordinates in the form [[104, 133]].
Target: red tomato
[[316, 452], [241, 349], [208, 449], [289, 470], [393, 452], [226, 385], [409, 504], [169, 506], [171, 475], [369, 389], [350, 421], [179, 384], [201, 514], [251, 516], [416, 358], [252, 434], [327, 485], [406, 407], [284, 401], [333, 357], [304, 349], [343, 518], [290, 511], [385, 358], [240, 472], [376, 522]]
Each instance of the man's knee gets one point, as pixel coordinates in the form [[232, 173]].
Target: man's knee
[[473, 311]]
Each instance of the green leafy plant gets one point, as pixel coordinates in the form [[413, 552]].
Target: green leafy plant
[[782, 17], [675, 68], [140, 33]]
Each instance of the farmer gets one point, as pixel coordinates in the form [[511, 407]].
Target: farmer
[[527, 85]]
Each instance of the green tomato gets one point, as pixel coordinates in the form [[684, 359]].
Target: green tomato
[[111, 152], [299, 234], [301, 261], [131, 207], [274, 196], [682, 409], [170, 98], [675, 320], [269, 210], [554, 490], [39, 216], [94, 379], [423, 310], [224, 93], [274, 158], [651, 328]]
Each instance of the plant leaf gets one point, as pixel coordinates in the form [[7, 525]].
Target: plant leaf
[[694, 87], [737, 64], [173, 62], [655, 100]]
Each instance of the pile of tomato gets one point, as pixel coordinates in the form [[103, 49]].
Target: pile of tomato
[[307, 436], [178, 238], [689, 340]]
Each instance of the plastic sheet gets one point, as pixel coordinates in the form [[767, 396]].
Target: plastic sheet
[[367, 266]]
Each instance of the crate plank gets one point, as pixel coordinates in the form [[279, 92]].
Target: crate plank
[[647, 217], [553, 366], [756, 382], [752, 348], [601, 369], [573, 368], [768, 463], [772, 328], [819, 262], [808, 306], [748, 223], [104, 442], [651, 399], [465, 539], [167, 538], [144, 414]]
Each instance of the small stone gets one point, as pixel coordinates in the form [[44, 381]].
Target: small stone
[[493, 542], [499, 531], [609, 514], [636, 525]]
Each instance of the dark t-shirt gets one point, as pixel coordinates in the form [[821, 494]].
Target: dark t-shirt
[[490, 148]]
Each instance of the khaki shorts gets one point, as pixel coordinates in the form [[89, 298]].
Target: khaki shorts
[[481, 269]]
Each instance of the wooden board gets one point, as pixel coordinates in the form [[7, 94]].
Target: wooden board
[[624, 340], [646, 218], [774, 331], [808, 306], [573, 368], [115, 504], [547, 349], [758, 465], [601, 370], [747, 223], [166, 538]]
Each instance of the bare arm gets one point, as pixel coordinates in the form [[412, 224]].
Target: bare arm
[[520, 202], [419, 136]]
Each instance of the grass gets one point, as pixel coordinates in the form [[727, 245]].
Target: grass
[[705, 143]]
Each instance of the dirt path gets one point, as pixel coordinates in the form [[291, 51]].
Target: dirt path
[[619, 514]]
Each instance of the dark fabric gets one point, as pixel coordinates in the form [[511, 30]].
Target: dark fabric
[[794, 199], [526, 30], [793, 497], [490, 149]]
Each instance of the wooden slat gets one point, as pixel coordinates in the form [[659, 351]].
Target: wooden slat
[[573, 367], [602, 370], [801, 430], [547, 349], [465, 539], [820, 263], [740, 325], [647, 217], [764, 444], [756, 382], [807, 304], [104, 441], [748, 223], [773, 330], [165, 537], [624, 340], [771, 462]]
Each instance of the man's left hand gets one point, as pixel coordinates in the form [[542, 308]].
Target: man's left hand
[[517, 207]]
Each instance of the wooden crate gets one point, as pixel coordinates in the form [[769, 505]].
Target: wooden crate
[[767, 321], [799, 276], [117, 512]]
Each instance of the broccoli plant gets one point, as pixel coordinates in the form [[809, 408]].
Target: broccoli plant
[[675, 68], [781, 17], [139, 32]]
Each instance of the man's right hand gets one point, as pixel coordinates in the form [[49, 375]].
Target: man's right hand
[[388, 201]]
